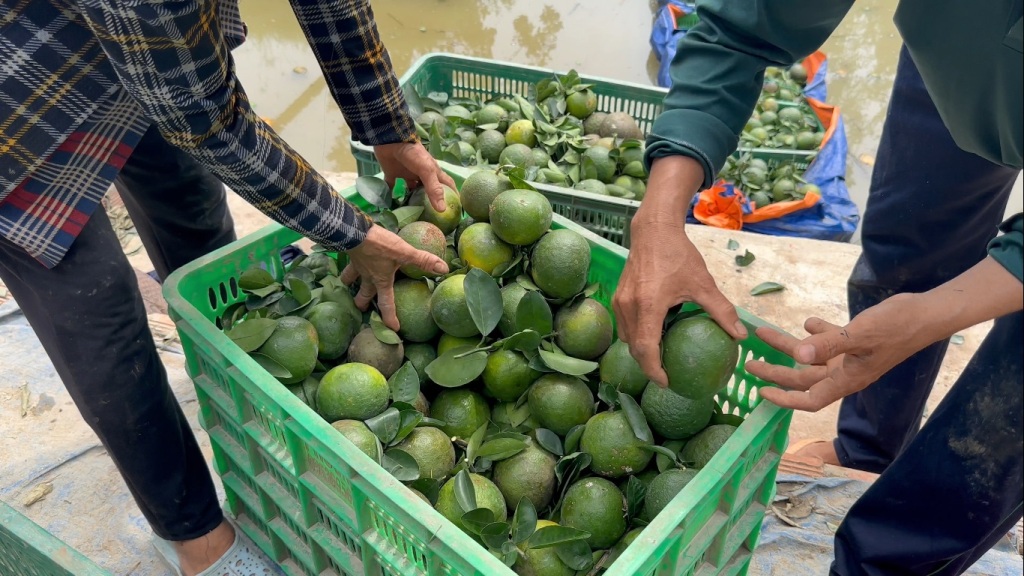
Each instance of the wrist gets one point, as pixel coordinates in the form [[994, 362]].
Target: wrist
[[671, 186]]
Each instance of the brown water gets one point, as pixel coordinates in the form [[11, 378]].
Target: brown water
[[607, 38]]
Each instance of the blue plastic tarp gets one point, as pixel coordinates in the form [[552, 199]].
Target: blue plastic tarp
[[835, 217]]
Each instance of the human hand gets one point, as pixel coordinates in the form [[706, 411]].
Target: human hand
[[664, 268], [842, 360], [375, 261], [412, 163]]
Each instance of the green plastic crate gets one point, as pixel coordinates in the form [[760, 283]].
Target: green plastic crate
[[28, 550], [317, 505], [465, 76]]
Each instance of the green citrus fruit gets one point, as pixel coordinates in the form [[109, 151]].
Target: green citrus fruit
[[430, 118], [663, 489], [432, 450], [358, 434], [352, 391], [583, 329], [520, 217], [412, 306], [449, 308], [560, 263], [596, 506], [335, 329], [421, 355], [448, 342], [615, 450], [593, 186], [700, 449], [462, 411], [619, 368], [446, 221], [481, 248], [560, 402], [521, 132], [367, 349], [508, 375], [604, 165], [620, 125], [492, 114], [511, 294], [592, 124], [491, 143], [581, 104], [294, 345], [423, 236], [673, 416], [699, 357], [529, 474], [487, 496], [516, 155], [541, 561], [479, 190]]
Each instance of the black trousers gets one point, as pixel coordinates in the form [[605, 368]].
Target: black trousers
[[949, 492], [91, 320]]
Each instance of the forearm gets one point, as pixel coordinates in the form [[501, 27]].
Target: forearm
[[344, 38], [985, 292], [671, 186], [172, 58], [718, 70]]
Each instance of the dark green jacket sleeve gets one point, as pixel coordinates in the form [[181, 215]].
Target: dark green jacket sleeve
[[1008, 248], [718, 71]]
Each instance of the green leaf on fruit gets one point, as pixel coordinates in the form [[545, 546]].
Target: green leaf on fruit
[[375, 191], [465, 493], [576, 554], [476, 519], [567, 364], [500, 449], [637, 420], [549, 441], [405, 384], [451, 372], [523, 341], [401, 465], [572, 438], [385, 425], [254, 279], [534, 313], [554, 535], [382, 332], [483, 297], [270, 365], [251, 334], [407, 215]]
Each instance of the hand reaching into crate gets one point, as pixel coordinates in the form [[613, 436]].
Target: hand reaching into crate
[[374, 263], [412, 162]]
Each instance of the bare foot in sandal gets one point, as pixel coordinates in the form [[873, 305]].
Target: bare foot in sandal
[[823, 449], [199, 554]]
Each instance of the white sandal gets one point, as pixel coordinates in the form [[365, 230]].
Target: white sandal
[[243, 558]]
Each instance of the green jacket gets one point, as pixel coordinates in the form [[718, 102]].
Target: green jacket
[[970, 56]]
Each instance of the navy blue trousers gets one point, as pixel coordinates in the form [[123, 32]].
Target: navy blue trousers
[[91, 320], [949, 491]]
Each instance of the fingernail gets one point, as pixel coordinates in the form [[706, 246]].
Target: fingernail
[[741, 329], [440, 268], [805, 354]]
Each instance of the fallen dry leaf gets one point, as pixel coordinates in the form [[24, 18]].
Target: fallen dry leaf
[[38, 493], [26, 398]]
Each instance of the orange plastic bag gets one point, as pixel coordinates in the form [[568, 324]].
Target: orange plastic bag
[[725, 206]]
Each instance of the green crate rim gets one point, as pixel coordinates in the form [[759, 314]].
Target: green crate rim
[[636, 556], [364, 154], [54, 556]]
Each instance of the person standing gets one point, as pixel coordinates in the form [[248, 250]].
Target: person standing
[[83, 85]]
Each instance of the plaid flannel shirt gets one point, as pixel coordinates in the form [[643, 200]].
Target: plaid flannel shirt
[[82, 80]]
